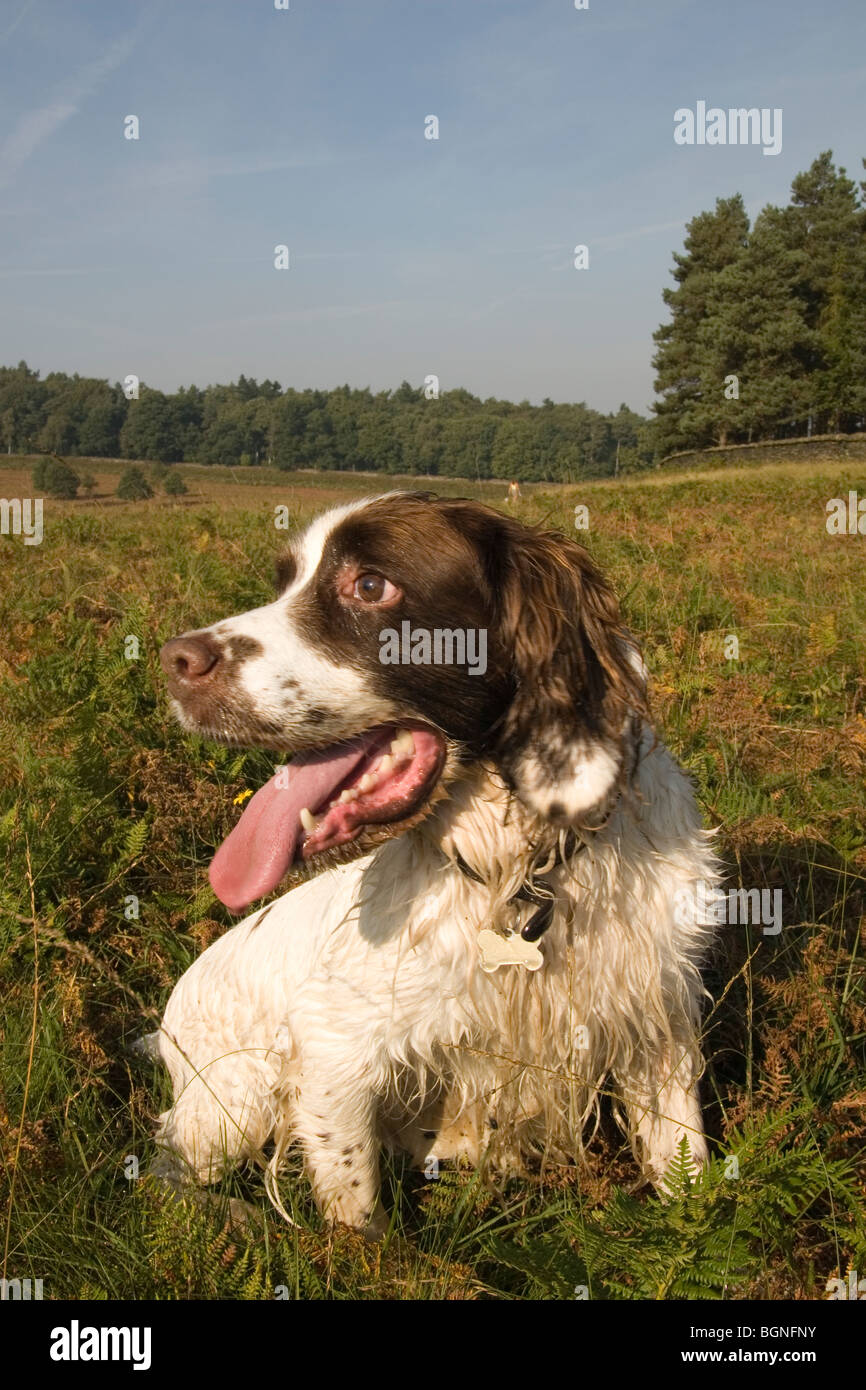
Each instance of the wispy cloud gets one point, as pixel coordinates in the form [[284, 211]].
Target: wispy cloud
[[558, 261], [191, 171], [42, 271], [37, 126], [16, 21]]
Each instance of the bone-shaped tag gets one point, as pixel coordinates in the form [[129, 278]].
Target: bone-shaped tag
[[499, 950]]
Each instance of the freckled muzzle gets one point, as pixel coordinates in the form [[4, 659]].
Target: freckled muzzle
[[203, 678], [324, 799]]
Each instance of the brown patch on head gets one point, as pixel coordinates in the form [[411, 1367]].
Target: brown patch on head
[[443, 584], [286, 569], [556, 708], [568, 736], [560, 702]]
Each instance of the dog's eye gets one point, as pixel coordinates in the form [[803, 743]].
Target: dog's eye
[[373, 588]]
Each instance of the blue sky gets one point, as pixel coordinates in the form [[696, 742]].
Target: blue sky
[[408, 256]]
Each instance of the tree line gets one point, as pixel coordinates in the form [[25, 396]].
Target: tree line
[[767, 334], [766, 340], [252, 423]]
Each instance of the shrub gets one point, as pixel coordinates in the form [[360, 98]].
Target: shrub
[[55, 477], [133, 486], [174, 484]]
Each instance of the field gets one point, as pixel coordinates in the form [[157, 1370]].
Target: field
[[103, 798]]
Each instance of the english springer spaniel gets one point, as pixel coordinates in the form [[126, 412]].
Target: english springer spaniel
[[489, 879]]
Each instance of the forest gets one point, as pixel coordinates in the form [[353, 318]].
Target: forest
[[766, 339], [767, 334]]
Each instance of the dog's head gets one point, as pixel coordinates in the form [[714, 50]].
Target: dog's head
[[411, 636]]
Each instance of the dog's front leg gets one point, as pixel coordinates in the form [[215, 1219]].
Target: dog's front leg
[[663, 1110], [337, 1125]]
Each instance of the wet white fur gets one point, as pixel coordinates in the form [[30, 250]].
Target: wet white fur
[[334, 1016]]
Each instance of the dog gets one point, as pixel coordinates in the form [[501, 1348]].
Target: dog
[[493, 877]]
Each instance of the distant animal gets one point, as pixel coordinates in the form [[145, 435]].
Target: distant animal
[[488, 885]]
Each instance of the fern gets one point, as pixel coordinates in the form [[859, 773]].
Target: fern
[[134, 840], [195, 1253], [708, 1238]]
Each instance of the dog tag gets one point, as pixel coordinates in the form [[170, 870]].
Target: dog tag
[[499, 950]]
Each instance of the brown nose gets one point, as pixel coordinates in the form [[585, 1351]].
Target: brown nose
[[188, 659]]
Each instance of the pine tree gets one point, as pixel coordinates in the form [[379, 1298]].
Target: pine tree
[[827, 226], [54, 476], [174, 484], [714, 241], [844, 327], [754, 345], [768, 329], [133, 486]]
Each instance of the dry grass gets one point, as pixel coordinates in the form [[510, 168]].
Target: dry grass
[[113, 800]]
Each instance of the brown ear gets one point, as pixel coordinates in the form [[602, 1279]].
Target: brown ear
[[568, 738]]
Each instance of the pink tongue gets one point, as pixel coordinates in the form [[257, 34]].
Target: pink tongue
[[257, 854]]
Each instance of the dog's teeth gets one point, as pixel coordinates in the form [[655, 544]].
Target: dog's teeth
[[403, 745], [366, 783], [308, 820], [350, 794], [386, 765]]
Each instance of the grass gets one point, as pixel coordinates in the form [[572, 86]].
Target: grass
[[108, 809]]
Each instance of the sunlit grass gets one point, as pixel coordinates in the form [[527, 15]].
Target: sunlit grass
[[105, 798]]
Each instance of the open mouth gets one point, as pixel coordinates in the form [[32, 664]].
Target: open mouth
[[323, 800]]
